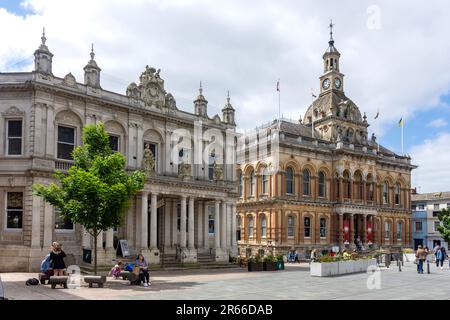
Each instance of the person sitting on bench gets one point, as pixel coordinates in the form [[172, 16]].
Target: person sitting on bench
[[144, 276]]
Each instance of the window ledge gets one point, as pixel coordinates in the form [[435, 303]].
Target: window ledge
[[64, 230], [13, 230]]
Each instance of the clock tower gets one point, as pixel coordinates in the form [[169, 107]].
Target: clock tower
[[331, 79]]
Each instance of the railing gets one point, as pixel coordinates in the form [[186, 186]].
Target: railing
[[63, 165]]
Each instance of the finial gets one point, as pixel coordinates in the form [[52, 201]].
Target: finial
[[331, 32], [43, 38], [200, 89], [92, 52], [228, 96]]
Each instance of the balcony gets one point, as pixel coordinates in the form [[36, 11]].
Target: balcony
[[63, 165]]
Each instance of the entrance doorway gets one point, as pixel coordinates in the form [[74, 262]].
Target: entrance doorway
[[417, 243]]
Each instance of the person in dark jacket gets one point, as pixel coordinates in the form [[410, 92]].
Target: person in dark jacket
[[144, 276], [57, 256]]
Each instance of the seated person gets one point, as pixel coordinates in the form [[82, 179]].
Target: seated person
[[46, 266], [115, 272]]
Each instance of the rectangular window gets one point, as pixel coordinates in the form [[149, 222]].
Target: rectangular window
[[436, 225], [14, 141], [290, 226], [14, 210], [421, 207], [399, 231], [307, 224], [114, 143], [212, 159], [66, 142], [323, 228], [413, 207], [387, 230], [436, 206], [436, 213], [250, 228], [61, 223], [211, 220], [418, 226]]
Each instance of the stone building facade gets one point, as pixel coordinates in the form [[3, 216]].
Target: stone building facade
[[185, 212], [326, 184]]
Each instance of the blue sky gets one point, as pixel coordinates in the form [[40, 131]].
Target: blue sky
[[393, 59]]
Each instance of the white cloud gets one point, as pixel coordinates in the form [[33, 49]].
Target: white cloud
[[433, 158], [438, 123], [244, 47]]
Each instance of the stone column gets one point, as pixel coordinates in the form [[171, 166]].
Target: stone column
[[229, 229], [191, 232], [200, 221], [183, 222], [206, 226], [153, 221], [364, 191], [233, 229], [217, 225], [223, 226], [350, 195], [48, 225], [100, 242], [110, 240], [364, 233], [341, 231], [50, 132], [85, 238], [167, 214], [36, 222], [38, 143], [174, 223], [139, 145], [144, 220], [352, 229]]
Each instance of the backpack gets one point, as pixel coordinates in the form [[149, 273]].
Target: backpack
[[32, 282], [129, 267]]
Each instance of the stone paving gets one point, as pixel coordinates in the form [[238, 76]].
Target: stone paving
[[238, 284]]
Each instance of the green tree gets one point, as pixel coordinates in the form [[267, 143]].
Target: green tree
[[96, 191], [444, 228]]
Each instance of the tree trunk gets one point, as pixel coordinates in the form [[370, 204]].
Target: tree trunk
[[95, 251]]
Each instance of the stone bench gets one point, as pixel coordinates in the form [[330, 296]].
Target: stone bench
[[99, 280], [130, 276], [124, 274], [54, 280], [43, 277]]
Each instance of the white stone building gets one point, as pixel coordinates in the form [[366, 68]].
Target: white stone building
[[186, 212]]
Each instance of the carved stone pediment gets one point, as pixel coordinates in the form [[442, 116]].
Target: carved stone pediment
[[69, 80], [13, 112]]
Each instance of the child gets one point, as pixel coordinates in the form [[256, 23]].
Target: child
[[115, 272]]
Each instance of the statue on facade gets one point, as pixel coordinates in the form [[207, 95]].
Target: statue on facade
[[184, 170], [218, 172], [374, 138], [148, 162], [170, 101]]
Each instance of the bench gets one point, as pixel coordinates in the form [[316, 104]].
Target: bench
[[98, 280], [124, 274], [54, 280]]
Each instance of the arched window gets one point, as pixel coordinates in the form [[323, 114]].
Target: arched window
[[370, 187], [289, 180], [358, 186], [250, 227], [290, 226], [397, 193], [240, 184], [346, 188], [385, 192], [387, 230], [307, 227], [263, 226], [323, 227], [322, 184], [265, 181], [306, 183], [252, 183]]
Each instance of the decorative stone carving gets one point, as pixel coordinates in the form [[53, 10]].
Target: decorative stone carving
[[148, 161], [68, 117], [170, 101], [340, 170], [184, 170], [218, 172], [69, 80], [13, 112], [133, 91], [151, 87]]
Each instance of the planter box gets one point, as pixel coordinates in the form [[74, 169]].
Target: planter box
[[253, 266], [409, 257], [327, 269], [280, 265], [269, 266]]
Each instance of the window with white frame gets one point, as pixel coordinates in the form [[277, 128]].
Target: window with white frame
[[250, 227], [399, 230], [289, 180], [61, 223], [114, 142], [436, 206], [265, 181], [322, 185], [421, 206], [290, 226], [252, 183], [14, 210], [14, 137], [418, 226], [306, 183], [385, 193], [263, 226], [436, 225], [323, 227], [66, 142], [387, 230]]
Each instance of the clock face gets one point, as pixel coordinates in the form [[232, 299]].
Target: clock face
[[337, 83], [326, 83]]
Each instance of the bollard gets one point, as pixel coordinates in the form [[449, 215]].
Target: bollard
[[428, 267], [399, 266]]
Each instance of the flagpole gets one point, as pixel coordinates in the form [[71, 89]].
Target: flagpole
[[312, 114], [279, 100], [402, 135]]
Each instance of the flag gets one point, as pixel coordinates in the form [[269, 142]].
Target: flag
[[378, 114], [278, 85], [400, 123]]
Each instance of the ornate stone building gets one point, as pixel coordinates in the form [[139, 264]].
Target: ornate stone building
[[185, 212], [333, 184]]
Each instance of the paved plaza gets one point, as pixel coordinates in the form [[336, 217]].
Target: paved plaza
[[238, 284]]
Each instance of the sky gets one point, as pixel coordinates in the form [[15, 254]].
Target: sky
[[394, 55]]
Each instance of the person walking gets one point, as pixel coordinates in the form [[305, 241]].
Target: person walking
[[421, 255], [57, 256], [144, 276], [441, 255]]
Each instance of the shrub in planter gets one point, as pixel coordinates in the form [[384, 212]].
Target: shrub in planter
[[269, 263], [279, 262], [255, 263]]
